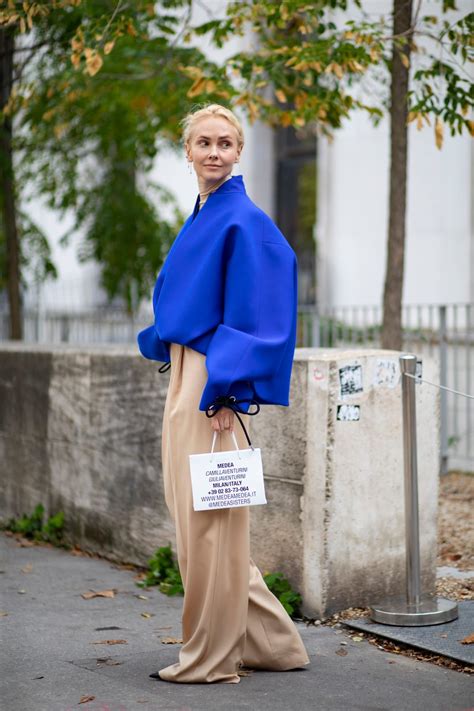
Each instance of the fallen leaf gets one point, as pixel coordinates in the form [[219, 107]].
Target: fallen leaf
[[171, 640], [85, 699], [98, 593], [146, 614], [111, 641], [469, 639], [21, 592], [357, 638], [27, 569], [141, 597], [108, 661], [342, 652], [3, 613]]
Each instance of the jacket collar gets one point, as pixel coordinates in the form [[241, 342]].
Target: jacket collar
[[234, 185]]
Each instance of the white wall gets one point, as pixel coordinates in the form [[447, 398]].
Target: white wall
[[352, 224], [353, 217], [77, 286]]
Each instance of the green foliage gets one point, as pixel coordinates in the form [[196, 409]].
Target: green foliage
[[164, 572], [442, 87], [307, 70], [87, 139], [31, 526], [453, 441], [282, 589], [35, 252]]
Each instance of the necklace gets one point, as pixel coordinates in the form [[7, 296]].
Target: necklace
[[205, 193]]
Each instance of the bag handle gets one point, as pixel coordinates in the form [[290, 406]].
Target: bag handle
[[233, 404], [214, 437]]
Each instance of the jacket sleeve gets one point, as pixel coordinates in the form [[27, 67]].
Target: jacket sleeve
[[149, 342], [151, 346], [259, 323]]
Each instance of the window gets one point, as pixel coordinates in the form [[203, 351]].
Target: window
[[296, 203]]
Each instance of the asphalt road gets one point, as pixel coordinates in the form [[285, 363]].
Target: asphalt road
[[49, 660]]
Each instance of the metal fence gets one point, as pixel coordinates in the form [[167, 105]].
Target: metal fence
[[445, 332]]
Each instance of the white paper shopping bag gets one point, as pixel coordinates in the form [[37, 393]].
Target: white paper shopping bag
[[222, 480]]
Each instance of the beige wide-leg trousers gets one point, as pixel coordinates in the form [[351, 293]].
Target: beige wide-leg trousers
[[229, 614]]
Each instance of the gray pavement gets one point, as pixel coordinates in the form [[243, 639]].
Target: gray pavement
[[49, 661], [444, 639]]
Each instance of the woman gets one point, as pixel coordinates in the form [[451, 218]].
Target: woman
[[225, 319]]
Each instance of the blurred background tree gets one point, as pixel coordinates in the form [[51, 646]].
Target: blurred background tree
[[104, 82], [94, 90]]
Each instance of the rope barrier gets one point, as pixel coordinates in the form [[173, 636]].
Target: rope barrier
[[436, 385]]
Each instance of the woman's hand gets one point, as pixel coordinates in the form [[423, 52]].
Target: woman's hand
[[223, 420]]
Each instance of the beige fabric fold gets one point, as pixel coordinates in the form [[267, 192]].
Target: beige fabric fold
[[229, 615]]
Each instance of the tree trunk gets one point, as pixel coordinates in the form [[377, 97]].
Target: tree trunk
[[7, 185], [393, 290]]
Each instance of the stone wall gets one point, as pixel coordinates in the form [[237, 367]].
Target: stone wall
[[80, 431]]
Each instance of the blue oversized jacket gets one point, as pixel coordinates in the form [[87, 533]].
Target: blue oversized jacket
[[228, 289]]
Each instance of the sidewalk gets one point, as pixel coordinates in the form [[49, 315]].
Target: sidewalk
[[49, 660]]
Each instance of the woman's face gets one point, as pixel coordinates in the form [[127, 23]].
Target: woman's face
[[213, 148]]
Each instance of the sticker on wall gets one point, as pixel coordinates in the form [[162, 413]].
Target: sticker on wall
[[348, 413], [318, 375], [350, 379], [387, 373]]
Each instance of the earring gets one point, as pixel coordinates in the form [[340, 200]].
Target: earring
[[190, 167]]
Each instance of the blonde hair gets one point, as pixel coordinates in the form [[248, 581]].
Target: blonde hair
[[193, 117]]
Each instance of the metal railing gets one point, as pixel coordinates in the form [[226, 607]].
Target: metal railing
[[445, 332]]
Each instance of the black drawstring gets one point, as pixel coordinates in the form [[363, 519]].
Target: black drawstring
[[233, 404], [225, 401]]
